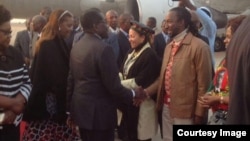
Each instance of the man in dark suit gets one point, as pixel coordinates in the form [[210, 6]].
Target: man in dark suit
[[124, 23], [23, 41], [37, 24], [112, 20], [112, 40], [160, 41], [94, 87], [76, 29]]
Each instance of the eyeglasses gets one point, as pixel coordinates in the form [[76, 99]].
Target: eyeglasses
[[6, 32]]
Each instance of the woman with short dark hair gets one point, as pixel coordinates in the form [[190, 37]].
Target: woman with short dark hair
[[217, 96], [15, 83]]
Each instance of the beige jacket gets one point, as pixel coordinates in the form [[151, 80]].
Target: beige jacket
[[190, 79]]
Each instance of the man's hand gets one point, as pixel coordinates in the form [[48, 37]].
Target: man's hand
[[181, 4], [186, 3], [71, 124], [140, 96]]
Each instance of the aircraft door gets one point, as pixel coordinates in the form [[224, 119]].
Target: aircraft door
[[142, 9]]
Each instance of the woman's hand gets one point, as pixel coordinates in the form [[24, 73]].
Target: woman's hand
[[9, 117], [209, 100], [18, 104]]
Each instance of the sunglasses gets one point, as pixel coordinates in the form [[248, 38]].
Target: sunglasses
[[6, 32]]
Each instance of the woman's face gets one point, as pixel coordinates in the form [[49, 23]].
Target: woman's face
[[66, 26], [228, 36], [5, 35], [135, 39]]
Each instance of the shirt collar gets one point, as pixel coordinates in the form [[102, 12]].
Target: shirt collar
[[165, 36], [113, 30], [98, 36], [78, 28], [124, 32], [180, 36], [39, 35]]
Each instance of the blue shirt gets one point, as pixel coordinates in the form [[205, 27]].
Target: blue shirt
[[208, 30]]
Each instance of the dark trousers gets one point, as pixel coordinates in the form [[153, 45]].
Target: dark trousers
[[131, 122], [122, 128], [9, 133], [97, 135], [160, 122]]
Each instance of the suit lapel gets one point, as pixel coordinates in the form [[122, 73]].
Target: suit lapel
[[27, 37]]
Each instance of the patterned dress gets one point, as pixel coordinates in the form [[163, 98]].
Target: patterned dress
[[220, 84], [220, 88]]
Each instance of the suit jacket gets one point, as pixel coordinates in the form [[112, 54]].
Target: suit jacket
[[159, 44], [112, 40], [238, 65], [124, 47], [70, 40], [22, 42], [77, 37], [94, 86], [34, 39], [190, 79]]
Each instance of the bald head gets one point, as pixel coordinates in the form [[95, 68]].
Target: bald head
[[151, 22], [46, 11], [38, 22], [124, 21], [111, 12], [112, 18], [27, 23]]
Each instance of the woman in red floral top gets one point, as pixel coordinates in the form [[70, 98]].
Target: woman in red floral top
[[217, 96]]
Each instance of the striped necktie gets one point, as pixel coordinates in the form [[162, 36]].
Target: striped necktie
[[168, 72]]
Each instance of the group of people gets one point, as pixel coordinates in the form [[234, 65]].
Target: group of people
[[69, 85]]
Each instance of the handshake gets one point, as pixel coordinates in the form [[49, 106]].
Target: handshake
[[140, 95]]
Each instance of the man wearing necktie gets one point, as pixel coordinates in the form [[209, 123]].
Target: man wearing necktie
[[185, 74], [37, 24]]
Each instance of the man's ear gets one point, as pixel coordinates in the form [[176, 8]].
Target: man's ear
[[181, 23]]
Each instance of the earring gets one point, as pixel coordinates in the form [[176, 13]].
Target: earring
[[59, 28]]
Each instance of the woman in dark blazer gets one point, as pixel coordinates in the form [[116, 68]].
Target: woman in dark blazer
[[141, 68], [46, 109]]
